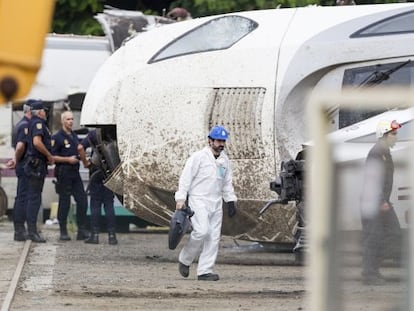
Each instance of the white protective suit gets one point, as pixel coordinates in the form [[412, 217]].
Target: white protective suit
[[207, 181]]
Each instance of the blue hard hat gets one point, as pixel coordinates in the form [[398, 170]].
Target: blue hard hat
[[218, 132]]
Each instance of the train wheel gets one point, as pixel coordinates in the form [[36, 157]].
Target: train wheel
[[3, 202]]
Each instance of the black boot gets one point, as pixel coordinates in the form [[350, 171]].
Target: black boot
[[112, 237], [94, 238], [19, 232], [83, 234], [34, 235], [64, 236]]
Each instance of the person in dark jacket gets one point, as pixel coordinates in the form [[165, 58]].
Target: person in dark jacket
[[99, 195], [380, 225]]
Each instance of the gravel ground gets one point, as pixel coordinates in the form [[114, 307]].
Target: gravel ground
[[141, 274]]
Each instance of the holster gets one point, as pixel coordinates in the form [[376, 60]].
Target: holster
[[34, 168], [60, 187]]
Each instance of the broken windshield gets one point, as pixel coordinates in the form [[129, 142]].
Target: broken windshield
[[217, 34]]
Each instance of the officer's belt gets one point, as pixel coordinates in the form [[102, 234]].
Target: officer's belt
[[67, 165]]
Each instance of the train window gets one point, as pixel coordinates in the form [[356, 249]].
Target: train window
[[392, 74], [217, 34], [397, 24]]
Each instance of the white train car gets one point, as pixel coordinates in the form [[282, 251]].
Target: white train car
[[250, 71]]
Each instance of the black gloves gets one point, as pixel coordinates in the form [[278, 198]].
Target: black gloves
[[231, 208]]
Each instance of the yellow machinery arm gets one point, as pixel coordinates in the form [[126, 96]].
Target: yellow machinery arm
[[23, 27]]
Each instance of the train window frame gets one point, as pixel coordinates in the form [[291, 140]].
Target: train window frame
[[369, 31], [349, 79], [163, 54]]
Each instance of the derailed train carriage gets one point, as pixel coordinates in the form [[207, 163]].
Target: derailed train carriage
[[156, 97]]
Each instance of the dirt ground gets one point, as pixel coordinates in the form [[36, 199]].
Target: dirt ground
[[141, 274]]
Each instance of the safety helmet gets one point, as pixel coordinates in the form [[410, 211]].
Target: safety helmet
[[218, 132], [385, 126]]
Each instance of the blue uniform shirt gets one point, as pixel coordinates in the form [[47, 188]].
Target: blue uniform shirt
[[38, 127], [21, 132], [21, 135], [65, 145]]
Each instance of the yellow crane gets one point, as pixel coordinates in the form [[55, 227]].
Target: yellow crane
[[23, 27]]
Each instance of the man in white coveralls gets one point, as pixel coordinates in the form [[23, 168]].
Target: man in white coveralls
[[206, 180]]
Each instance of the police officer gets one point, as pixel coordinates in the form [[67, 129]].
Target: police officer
[[100, 195], [39, 156], [19, 142], [65, 148]]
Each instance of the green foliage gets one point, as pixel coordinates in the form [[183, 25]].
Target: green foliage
[[199, 8], [76, 17]]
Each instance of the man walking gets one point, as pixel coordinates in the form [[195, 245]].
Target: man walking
[[380, 227], [65, 148], [206, 180]]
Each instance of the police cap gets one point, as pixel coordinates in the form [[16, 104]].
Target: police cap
[[36, 104]]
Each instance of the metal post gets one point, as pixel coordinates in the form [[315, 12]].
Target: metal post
[[322, 272]]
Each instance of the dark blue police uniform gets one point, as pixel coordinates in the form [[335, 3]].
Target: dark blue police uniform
[[36, 170], [69, 183], [19, 208], [99, 195]]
